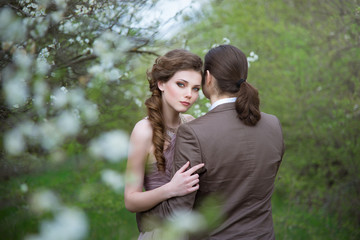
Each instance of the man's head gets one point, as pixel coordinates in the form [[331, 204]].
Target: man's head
[[225, 75], [228, 65]]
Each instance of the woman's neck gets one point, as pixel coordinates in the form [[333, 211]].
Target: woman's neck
[[171, 118]]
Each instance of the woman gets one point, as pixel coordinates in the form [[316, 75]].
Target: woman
[[175, 81]]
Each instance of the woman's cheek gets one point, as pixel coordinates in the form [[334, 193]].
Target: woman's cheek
[[173, 91]]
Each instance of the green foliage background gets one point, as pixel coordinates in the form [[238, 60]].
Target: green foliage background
[[307, 75]]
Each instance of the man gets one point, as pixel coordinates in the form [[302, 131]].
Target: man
[[241, 147]]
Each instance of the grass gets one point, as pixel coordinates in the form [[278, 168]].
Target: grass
[[79, 184], [296, 222]]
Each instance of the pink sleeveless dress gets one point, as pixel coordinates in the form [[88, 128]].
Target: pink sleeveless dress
[[154, 179]]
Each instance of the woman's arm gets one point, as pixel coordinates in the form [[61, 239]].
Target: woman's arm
[[135, 199]]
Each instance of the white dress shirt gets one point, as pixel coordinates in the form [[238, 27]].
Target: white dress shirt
[[222, 101]]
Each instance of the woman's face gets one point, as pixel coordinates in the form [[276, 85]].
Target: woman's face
[[181, 91]]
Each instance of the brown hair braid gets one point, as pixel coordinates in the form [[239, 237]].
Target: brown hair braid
[[163, 69]]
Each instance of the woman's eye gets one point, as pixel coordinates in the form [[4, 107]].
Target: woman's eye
[[197, 89], [180, 84]]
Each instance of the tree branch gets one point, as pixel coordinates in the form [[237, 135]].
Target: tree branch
[[18, 9], [136, 50], [76, 60]]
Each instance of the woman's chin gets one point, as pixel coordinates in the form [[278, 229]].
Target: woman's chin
[[183, 110]]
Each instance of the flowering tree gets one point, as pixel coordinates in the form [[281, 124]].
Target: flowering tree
[[53, 52], [66, 69]]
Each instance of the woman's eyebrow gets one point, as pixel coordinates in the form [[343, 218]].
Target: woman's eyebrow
[[180, 79]]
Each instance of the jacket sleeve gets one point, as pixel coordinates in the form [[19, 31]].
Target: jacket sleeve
[[187, 148]]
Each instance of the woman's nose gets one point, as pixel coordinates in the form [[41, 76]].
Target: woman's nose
[[188, 93]]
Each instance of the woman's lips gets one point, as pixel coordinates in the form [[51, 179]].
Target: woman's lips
[[185, 103]]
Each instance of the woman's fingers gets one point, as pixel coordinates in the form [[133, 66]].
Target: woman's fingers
[[195, 168], [194, 188], [194, 182], [184, 167], [193, 177]]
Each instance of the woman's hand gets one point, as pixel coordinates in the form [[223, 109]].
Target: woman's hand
[[183, 182]]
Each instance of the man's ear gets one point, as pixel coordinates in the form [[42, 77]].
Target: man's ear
[[160, 85], [208, 78]]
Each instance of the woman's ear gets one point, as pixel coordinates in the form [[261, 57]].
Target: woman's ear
[[160, 85]]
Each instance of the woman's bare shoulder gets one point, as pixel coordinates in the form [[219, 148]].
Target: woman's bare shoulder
[[143, 130]]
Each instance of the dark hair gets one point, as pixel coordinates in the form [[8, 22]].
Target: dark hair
[[229, 65], [163, 69]]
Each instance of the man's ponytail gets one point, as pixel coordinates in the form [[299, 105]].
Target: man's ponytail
[[247, 104]]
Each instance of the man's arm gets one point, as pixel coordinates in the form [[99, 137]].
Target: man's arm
[[187, 148]]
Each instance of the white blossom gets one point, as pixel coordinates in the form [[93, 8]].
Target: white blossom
[[109, 47], [68, 27], [68, 224], [24, 187], [16, 91], [11, 27], [78, 38], [50, 135], [57, 16], [182, 223], [76, 97], [41, 88], [40, 27], [95, 69], [64, 89], [185, 221], [44, 53], [29, 129], [113, 146], [44, 201], [68, 123], [87, 51], [226, 40], [90, 113], [22, 59], [138, 102], [81, 9], [61, 3], [201, 95], [14, 142], [59, 98], [113, 74], [252, 58], [113, 179]]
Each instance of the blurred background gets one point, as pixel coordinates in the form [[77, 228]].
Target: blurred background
[[73, 84]]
